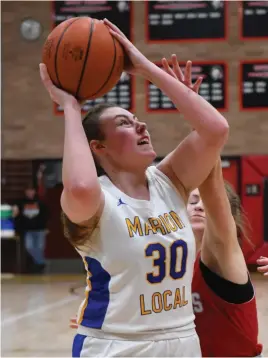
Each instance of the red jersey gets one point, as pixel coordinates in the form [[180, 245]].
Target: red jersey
[[224, 329]]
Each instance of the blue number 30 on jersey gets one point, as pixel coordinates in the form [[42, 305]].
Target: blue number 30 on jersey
[[178, 250]]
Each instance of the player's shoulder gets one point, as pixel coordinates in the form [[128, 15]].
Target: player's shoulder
[[157, 177], [107, 187], [104, 181], [164, 184], [113, 198], [155, 174]]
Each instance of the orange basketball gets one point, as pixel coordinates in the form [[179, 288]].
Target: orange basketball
[[83, 58]]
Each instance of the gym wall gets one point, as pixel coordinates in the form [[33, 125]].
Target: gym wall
[[31, 130]]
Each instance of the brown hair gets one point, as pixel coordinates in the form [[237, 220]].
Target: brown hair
[[91, 125], [91, 121], [78, 234], [241, 221]]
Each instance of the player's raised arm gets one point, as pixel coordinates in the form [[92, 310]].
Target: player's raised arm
[[82, 195], [193, 159], [220, 250], [196, 155]]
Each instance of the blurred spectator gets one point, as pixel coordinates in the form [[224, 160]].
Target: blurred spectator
[[32, 215], [41, 191]]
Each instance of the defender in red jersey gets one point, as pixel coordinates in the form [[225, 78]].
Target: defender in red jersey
[[223, 296]]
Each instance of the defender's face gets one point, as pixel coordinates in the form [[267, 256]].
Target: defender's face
[[196, 211]]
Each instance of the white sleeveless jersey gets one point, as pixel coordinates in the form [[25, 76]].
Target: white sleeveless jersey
[[139, 262]]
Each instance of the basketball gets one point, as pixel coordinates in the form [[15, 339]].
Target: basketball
[[83, 58]]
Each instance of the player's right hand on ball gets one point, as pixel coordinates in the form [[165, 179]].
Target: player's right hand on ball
[[136, 61], [57, 95]]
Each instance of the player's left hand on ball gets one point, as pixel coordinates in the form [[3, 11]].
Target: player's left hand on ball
[[263, 262], [177, 73], [137, 61], [73, 323]]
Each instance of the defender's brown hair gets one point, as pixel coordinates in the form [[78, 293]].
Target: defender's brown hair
[[241, 221]]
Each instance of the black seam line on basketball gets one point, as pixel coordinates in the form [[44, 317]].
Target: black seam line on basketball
[[86, 57], [111, 72], [56, 54]]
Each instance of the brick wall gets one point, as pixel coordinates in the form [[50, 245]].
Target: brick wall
[[30, 130]]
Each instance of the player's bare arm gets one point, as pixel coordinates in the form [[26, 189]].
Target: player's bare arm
[[193, 159], [220, 249], [82, 196]]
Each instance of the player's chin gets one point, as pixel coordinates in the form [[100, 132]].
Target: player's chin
[[198, 224], [148, 156], [146, 149]]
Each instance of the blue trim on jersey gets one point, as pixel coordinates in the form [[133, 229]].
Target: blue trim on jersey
[[99, 295], [78, 345]]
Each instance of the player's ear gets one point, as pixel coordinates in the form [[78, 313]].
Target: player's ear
[[96, 146]]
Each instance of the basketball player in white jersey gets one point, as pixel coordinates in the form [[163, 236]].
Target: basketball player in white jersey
[[131, 225]]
